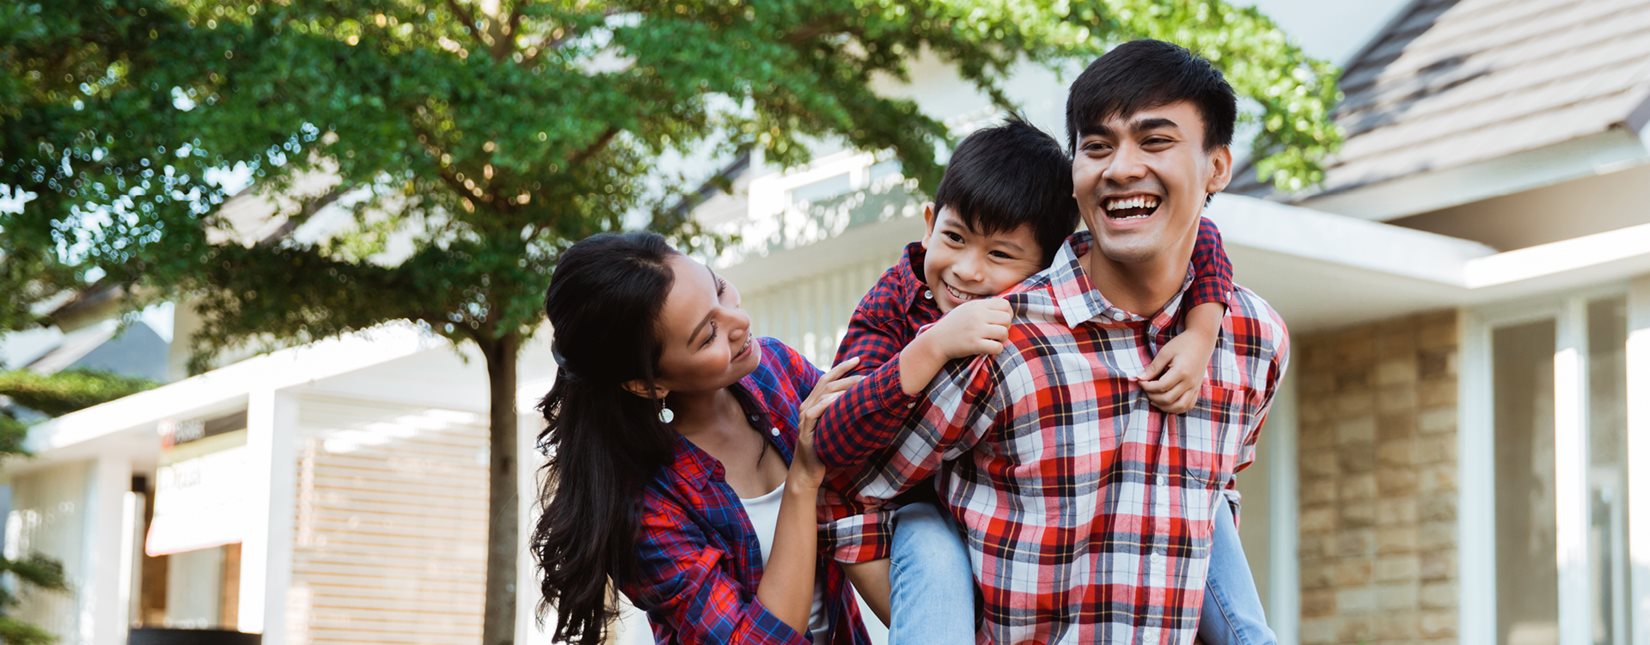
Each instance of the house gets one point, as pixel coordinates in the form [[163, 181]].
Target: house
[[1451, 459], [329, 492]]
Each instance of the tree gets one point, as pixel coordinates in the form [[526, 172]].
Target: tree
[[493, 133], [35, 571]]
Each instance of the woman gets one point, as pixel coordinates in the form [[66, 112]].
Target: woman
[[670, 436]]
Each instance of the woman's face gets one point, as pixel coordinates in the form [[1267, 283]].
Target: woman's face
[[705, 336]]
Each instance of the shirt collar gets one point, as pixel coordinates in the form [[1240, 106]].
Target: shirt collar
[[1079, 301], [912, 291]]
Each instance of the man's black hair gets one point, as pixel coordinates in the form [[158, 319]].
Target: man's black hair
[[1144, 74], [1011, 175]]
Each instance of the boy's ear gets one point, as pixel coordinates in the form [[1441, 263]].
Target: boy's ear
[[928, 216], [639, 388], [1221, 160]]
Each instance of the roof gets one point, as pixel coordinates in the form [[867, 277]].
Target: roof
[[1455, 82], [131, 350]]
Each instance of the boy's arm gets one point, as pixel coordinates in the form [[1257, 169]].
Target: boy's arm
[[1212, 279], [1175, 375], [963, 404], [865, 420], [869, 413]]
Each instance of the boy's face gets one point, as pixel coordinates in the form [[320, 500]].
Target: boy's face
[[1141, 180], [962, 264]]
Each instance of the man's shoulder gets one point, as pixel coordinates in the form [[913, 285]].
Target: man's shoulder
[[1032, 299]]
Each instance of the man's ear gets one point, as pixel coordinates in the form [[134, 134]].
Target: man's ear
[[928, 217], [1221, 160], [640, 388]]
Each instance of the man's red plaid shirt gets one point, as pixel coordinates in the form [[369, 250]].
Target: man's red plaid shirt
[[890, 315], [1088, 513]]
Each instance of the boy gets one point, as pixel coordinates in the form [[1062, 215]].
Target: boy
[[1002, 210]]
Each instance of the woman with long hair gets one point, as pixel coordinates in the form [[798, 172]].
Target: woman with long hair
[[670, 435]]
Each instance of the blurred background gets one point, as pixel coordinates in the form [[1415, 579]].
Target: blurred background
[[272, 274]]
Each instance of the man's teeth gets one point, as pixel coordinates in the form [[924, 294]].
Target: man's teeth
[[1131, 202]]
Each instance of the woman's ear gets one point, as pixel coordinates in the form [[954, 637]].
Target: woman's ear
[[640, 388]]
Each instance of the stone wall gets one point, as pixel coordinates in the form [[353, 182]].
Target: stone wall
[[1378, 481]]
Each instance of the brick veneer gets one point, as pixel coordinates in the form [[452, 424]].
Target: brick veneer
[[1378, 481]]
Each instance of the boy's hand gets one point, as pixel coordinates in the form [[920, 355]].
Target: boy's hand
[[1176, 374], [806, 469], [972, 328]]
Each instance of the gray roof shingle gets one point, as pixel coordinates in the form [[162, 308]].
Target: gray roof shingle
[[1453, 82]]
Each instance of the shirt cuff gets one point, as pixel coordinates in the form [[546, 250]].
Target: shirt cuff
[[860, 538], [887, 392]]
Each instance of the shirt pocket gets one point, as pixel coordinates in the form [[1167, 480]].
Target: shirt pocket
[[1212, 432]]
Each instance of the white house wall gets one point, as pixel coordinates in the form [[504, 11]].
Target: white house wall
[[811, 313], [49, 517]]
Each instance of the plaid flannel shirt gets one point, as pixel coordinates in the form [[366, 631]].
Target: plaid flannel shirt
[[700, 560], [890, 315], [1088, 513]]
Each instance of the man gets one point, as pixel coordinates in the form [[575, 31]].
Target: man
[[1089, 513]]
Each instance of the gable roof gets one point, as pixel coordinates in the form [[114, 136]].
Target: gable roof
[[1455, 82]]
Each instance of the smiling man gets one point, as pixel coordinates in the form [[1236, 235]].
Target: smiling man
[[1089, 513]]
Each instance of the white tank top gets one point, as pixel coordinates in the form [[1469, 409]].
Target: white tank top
[[764, 515]]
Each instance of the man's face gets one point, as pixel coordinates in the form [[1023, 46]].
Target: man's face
[[1141, 179]]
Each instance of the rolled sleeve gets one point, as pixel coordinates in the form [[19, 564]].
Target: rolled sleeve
[[1213, 270]]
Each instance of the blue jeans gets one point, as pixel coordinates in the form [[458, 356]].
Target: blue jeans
[[931, 583], [1232, 614]]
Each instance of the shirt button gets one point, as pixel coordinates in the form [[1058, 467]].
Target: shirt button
[[1162, 481], [928, 294], [1118, 316], [911, 405], [775, 432]]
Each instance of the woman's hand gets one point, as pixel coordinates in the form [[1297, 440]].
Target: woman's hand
[[806, 470]]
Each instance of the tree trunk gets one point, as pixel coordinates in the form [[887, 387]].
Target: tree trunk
[[499, 617]]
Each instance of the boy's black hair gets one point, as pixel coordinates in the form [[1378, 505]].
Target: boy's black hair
[[1011, 175], [1143, 74]]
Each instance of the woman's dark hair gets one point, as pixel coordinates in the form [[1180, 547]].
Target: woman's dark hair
[[603, 443]]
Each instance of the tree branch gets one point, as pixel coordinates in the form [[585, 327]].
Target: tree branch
[[469, 20], [591, 150], [451, 180], [819, 28], [552, 41], [505, 37], [307, 211]]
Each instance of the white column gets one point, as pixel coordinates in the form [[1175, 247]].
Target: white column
[[131, 555], [1279, 437], [1575, 508], [1638, 456], [101, 598], [266, 550], [1475, 503]]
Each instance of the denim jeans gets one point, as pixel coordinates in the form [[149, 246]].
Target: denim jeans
[[1232, 614], [931, 582]]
